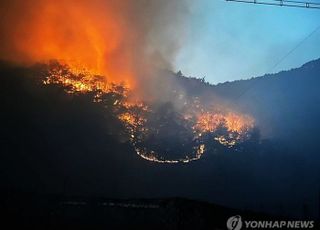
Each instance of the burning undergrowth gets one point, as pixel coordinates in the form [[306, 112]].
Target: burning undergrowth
[[158, 131]]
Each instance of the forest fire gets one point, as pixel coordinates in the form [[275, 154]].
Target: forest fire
[[147, 128], [103, 55]]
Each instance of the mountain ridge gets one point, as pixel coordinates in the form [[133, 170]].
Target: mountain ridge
[[55, 142]]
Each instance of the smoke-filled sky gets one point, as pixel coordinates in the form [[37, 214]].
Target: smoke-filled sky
[[123, 40], [229, 41], [128, 40]]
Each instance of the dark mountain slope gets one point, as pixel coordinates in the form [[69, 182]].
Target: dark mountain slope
[[56, 143], [286, 104]]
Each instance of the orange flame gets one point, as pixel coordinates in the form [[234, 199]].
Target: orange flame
[[238, 123], [109, 38], [210, 122]]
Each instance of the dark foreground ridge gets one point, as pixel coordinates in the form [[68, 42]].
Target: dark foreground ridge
[[57, 211]]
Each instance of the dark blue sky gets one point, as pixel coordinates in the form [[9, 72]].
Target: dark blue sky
[[227, 41]]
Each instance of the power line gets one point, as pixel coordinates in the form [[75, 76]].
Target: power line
[[254, 83], [281, 3], [294, 48]]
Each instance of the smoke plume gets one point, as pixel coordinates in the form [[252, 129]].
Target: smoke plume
[[124, 40]]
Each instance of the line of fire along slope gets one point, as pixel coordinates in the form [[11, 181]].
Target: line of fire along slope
[[200, 123]]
